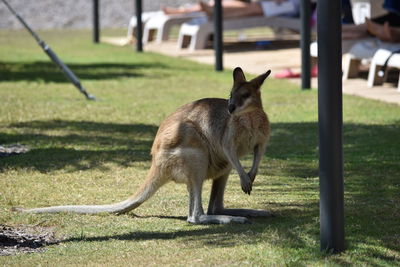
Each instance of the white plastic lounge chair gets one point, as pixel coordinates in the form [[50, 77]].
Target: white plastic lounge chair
[[346, 46], [158, 27], [357, 49], [195, 33], [357, 52], [363, 51], [383, 57], [145, 17]]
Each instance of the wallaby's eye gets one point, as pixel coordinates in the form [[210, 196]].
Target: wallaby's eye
[[246, 95]]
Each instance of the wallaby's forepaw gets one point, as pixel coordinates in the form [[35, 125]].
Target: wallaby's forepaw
[[246, 183], [252, 176]]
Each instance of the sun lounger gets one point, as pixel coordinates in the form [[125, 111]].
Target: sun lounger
[[160, 24], [363, 50], [196, 33], [378, 61], [158, 27], [357, 52], [145, 17], [346, 46]]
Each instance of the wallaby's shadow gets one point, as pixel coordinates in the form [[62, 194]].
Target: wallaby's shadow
[[224, 235], [180, 218]]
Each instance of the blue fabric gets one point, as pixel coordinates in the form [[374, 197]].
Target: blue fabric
[[392, 6], [347, 15]]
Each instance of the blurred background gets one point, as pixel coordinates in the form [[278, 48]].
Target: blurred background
[[76, 14]]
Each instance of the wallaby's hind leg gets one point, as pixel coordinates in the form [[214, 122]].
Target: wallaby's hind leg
[[216, 205], [196, 213], [195, 206]]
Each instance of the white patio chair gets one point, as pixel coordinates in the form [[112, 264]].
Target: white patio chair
[[382, 60]]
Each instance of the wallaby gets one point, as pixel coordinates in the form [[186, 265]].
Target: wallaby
[[203, 140]]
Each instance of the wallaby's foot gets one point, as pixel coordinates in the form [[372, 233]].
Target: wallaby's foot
[[17, 209], [245, 213], [217, 219]]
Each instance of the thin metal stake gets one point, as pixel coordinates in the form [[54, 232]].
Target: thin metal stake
[[305, 12], [218, 30], [139, 26], [96, 22], [64, 68]]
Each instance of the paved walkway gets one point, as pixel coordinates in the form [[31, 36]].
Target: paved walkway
[[257, 61]]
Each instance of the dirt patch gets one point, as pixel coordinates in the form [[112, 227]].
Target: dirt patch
[[25, 239]]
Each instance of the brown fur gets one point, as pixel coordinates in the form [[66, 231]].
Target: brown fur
[[203, 140]]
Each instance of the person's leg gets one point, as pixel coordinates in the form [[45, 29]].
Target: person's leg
[[386, 27], [351, 31], [382, 32], [181, 9], [392, 32], [235, 9]]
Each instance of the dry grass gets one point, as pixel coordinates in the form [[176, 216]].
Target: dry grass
[[98, 152]]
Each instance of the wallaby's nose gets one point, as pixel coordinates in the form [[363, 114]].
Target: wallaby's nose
[[231, 108]]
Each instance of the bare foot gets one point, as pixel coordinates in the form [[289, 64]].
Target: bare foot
[[206, 8]]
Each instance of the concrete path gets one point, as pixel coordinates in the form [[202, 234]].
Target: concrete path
[[257, 61]]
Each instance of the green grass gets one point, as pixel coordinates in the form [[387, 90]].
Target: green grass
[[98, 152]]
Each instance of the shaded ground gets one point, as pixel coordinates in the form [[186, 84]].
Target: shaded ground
[[25, 239]]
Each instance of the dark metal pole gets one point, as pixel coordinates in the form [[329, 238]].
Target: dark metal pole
[[218, 35], [305, 12], [139, 26], [330, 126], [96, 24]]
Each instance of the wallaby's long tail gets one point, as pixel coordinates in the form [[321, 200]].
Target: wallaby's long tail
[[149, 187]]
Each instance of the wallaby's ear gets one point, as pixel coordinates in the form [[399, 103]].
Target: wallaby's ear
[[258, 81], [238, 76]]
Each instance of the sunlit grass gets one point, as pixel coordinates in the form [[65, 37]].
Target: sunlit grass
[[98, 152]]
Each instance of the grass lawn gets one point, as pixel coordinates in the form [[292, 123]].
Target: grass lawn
[[86, 152]]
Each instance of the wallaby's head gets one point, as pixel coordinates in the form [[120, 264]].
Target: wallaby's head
[[245, 95]]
